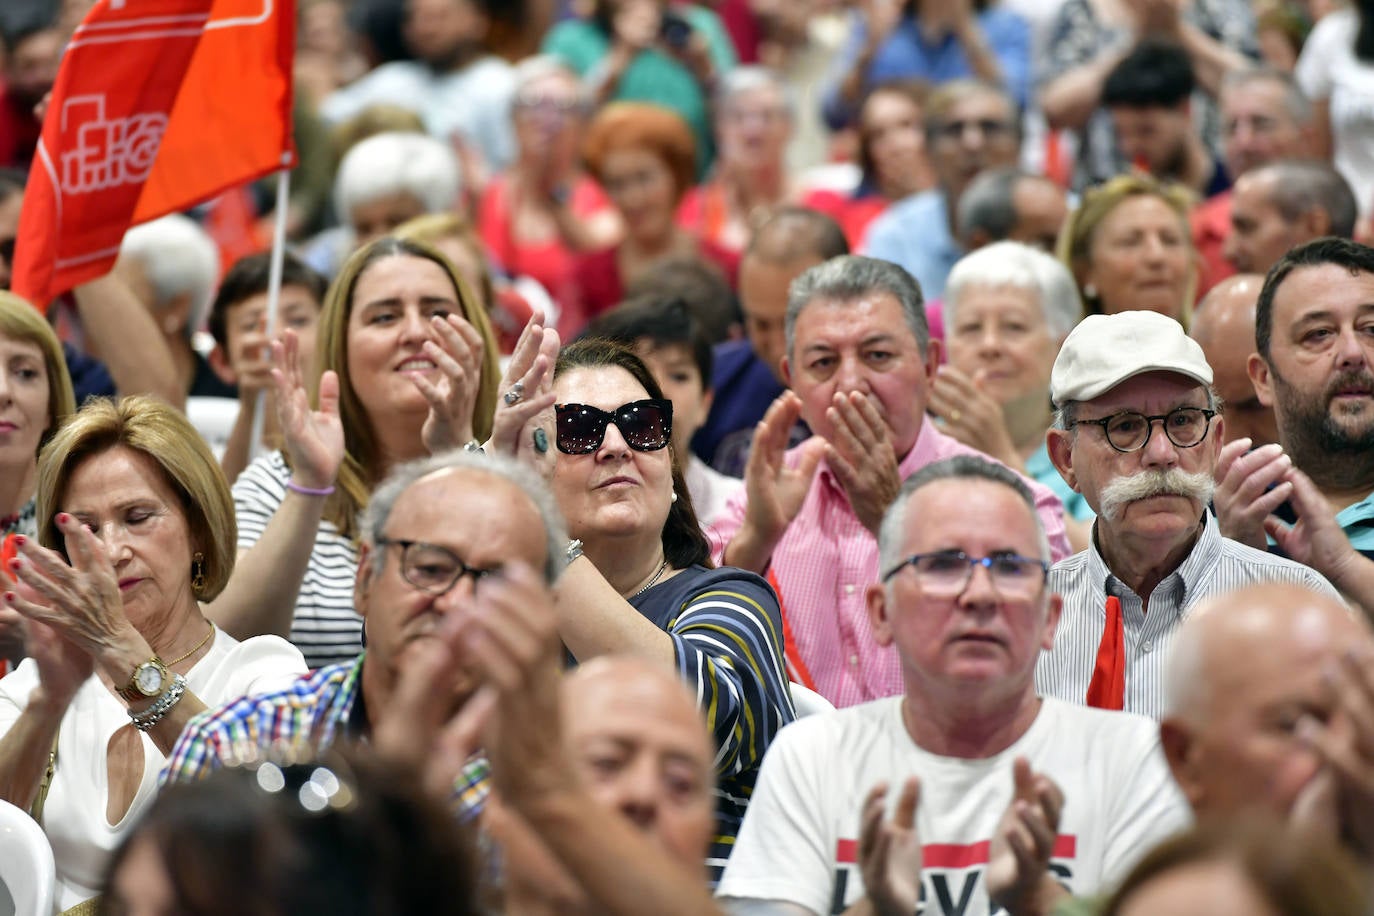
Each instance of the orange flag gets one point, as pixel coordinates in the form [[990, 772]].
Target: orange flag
[[158, 106]]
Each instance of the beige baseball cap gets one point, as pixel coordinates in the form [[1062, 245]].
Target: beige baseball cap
[[1105, 350]]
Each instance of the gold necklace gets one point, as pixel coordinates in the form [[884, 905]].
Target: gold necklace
[[197, 648]]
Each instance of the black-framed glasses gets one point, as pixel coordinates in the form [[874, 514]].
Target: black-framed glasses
[[1129, 431], [434, 569], [948, 571], [646, 425]]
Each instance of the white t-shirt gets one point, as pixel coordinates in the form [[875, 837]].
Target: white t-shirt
[[325, 627], [799, 841], [74, 814], [1328, 69]]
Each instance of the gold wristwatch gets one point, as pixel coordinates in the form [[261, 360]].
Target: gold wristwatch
[[149, 680]]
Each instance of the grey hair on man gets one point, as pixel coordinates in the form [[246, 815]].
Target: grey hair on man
[[1300, 186], [1294, 99], [378, 511], [987, 204], [751, 78], [1018, 266], [849, 278], [891, 534]]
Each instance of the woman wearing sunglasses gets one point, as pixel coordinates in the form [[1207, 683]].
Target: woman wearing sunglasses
[[639, 580]]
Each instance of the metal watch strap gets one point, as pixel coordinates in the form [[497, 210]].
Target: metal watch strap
[[154, 714]]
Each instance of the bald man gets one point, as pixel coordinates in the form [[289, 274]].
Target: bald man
[[1253, 718], [1224, 326]]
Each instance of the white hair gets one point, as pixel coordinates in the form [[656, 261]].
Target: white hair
[[396, 162], [178, 258], [538, 67], [752, 77], [1018, 266]]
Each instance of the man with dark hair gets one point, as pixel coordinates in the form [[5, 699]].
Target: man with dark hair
[[1010, 204], [969, 126], [664, 333], [243, 354], [1281, 205], [32, 45], [1148, 95], [748, 373], [1315, 366]]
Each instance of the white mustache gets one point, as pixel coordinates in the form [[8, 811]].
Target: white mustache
[[1123, 491]]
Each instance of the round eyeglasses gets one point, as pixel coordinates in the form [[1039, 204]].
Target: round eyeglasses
[[948, 572], [434, 569], [1129, 431]]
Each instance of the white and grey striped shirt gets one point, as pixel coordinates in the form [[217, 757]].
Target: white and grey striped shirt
[[1216, 564], [325, 628]]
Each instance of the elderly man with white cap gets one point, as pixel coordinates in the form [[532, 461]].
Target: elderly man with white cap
[[1137, 432]]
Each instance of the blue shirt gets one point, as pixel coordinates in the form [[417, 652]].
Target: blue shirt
[[1040, 469], [907, 55], [744, 386], [914, 233]]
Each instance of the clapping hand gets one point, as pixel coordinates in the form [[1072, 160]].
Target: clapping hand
[[1019, 858], [457, 353], [890, 855], [312, 439], [862, 457], [525, 405]]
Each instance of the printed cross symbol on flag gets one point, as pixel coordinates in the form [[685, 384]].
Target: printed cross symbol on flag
[[158, 106]]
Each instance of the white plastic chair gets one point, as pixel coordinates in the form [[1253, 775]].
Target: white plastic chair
[[808, 702], [27, 870]]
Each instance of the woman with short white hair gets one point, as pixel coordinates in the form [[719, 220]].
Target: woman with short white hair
[[1007, 309]]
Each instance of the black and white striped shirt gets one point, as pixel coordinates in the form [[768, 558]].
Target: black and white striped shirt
[[1216, 564], [326, 628]]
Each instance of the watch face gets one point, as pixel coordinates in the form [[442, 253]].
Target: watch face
[[148, 679]]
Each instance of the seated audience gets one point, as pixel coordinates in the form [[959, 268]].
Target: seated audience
[[400, 351], [1148, 95], [172, 266], [339, 834], [1129, 248], [644, 158], [242, 356], [748, 373], [539, 214], [1009, 308], [753, 126], [860, 365], [1003, 799], [892, 159], [462, 91], [969, 127], [638, 579], [1224, 326], [645, 51], [663, 335], [1156, 550], [1009, 204], [1279, 206], [1245, 867], [137, 529]]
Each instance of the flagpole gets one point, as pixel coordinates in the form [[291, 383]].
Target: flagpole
[[274, 271]]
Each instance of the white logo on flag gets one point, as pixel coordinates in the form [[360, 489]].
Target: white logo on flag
[[108, 153]]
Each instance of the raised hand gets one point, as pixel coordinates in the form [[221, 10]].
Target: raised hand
[[1019, 858], [530, 374], [1346, 745], [1250, 485], [62, 667], [890, 856], [970, 414], [453, 397], [1316, 539], [313, 439], [776, 491], [862, 457]]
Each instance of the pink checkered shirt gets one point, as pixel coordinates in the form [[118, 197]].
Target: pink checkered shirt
[[827, 559]]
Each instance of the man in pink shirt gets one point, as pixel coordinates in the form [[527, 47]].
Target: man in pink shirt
[[859, 364]]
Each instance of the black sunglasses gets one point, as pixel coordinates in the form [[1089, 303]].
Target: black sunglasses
[[646, 425]]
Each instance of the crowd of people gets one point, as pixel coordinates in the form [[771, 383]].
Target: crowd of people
[[735, 456]]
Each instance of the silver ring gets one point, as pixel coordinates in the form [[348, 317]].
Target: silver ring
[[513, 396]]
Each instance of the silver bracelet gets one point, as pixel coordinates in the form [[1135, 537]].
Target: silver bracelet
[[154, 714]]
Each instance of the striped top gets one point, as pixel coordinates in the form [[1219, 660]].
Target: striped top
[[727, 639], [325, 628], [1215, 565], [311, 711]]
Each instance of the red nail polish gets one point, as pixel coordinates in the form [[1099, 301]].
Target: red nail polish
[[9, 597], [20, 540], [63, 518], [16, 563]]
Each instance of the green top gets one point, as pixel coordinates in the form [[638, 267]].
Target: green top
[[653, 76]]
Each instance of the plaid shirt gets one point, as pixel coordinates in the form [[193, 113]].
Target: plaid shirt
[[310, 712]]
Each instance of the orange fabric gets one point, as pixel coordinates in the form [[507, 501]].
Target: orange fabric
[[796, 668], [1107, 689], [1211, 225], [158, 105]]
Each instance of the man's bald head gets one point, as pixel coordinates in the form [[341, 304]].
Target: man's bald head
[[641, 745], [1224, 326], [1247, 667]]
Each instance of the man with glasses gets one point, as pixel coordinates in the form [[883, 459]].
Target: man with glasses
[[1004, 799], [434, 535], [969, 126], [1138, 433]]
